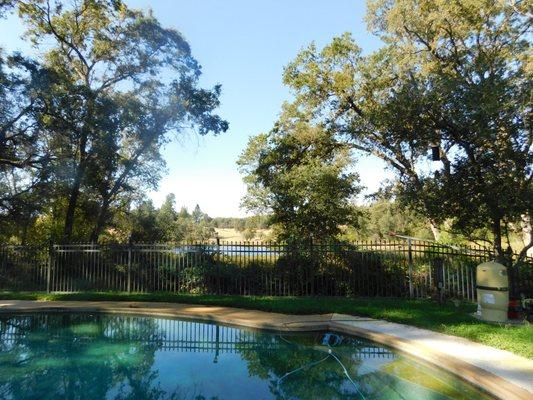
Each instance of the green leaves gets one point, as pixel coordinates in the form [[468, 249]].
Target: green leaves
[[300, 175], [122, 84], [450, 73]]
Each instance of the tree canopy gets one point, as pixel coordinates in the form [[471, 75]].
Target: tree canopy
[[122, 86], [299, 173], [450, 75]]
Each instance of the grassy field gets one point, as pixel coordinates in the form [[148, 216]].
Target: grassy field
[[450, 319], [233, 235]]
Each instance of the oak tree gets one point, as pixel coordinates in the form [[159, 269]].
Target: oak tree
[[126, 83]]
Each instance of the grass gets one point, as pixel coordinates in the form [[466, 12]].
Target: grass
[[230, 234], [450, 318]]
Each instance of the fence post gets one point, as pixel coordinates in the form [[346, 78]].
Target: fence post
[[130, 245], [218, 267], [49, 266], [313, 263], [410, 265], [438, 264]]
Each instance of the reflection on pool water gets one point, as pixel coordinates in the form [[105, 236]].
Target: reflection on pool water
[[87, 356]]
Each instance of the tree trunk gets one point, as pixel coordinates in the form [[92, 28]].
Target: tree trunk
[[72, 203], [527, 232], [24, 236], [497, 240], [108, 197], [100, 221], [80, 173], [503, 257], [435, 230]]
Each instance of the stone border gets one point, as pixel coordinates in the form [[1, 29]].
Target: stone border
[[513, 382]]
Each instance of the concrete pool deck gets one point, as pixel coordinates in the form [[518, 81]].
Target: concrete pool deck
[[500, 373]]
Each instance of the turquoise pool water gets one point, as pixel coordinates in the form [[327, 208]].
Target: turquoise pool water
[[87, 356]]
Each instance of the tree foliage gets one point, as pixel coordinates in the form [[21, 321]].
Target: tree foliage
[[300, 174], [471, 61], [147, 224], [123, 85], [456, 75], [24, 157], [382, 218]]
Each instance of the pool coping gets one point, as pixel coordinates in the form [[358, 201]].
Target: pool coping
[[500, 373]]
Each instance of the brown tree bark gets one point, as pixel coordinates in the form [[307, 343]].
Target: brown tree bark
[[80, 172], [100, 221], [504, 257], [527, 234], [435, 230]]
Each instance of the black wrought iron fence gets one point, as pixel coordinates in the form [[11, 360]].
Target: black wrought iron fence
[[384, 268]]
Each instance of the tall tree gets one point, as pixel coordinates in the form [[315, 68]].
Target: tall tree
[[473, 65], [126, 83], [197, 214], [361, 102], [454, 75], [300, 174], [166, 218]]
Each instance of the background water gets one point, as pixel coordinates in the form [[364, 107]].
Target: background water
[[85, 356]]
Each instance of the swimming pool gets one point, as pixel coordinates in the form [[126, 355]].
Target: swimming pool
[[98, 356]]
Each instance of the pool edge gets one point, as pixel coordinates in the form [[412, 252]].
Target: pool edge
[[488, 381]]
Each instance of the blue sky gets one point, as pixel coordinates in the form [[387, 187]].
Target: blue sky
[[243, 45]]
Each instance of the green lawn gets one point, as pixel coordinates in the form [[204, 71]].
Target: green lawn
[[450, 319]]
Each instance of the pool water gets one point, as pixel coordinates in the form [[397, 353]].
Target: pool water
[[88, 356]]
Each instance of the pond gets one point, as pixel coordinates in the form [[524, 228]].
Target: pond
[[242, 250], [96, 356]]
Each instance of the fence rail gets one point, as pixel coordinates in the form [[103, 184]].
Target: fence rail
[[384, 268]]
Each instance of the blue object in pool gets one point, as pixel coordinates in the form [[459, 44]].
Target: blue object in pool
[[88, 356]]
